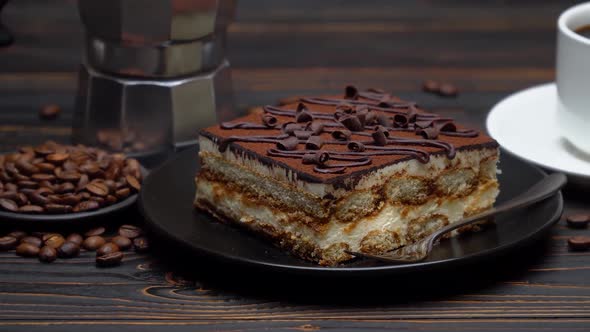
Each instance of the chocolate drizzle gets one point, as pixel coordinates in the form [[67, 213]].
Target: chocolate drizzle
[[372, 114]]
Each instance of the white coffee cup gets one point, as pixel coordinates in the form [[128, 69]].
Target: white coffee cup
[[573, 77]]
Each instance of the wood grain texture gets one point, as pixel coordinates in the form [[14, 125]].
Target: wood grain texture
[[285, 47]]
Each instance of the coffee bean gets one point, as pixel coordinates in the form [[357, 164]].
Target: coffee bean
[[141, 244], [85, 206], [133, 182], [97, 188], [27, 184], [110, 199], [33, 209], [109, 260], [46, 168], [10, 187], [82, 183], [17, 234], [107, 248], [55, 241], [49, 112], [27, 250], [122, 242], [578, 220], [430, 86], [90, 168], [95, 231], [93, 242], [33, 240], [8, 242], [57, 208], [65, 199], [69, 166], [73, 176], [448, 90], [43, 151], [37, 198], [21, 199], [47, 254], [43, 177], [8, 205], [98, 200], [68, 250], [25, 167], [57, 158], [123, 193], [75, 238], [130, 231], [579, 243]]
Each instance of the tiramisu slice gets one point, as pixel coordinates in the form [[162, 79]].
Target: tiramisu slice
[[363, 171]]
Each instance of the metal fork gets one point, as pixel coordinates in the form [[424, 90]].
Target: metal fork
[[418, 251]]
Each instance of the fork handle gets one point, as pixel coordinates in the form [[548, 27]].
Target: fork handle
[[538, 192]]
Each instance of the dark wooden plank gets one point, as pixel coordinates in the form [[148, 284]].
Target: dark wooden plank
[[279, 48]]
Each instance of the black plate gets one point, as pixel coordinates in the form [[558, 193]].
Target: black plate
[[166, 201]]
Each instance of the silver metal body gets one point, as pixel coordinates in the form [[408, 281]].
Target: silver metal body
[[154, 73]]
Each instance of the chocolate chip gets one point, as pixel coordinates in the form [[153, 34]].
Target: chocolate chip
[[314, 143], [301, 108], [49, 112], [351, 92], [400, 121], [341, 134], [47, 254], [579, 243], [288, 144], [445, 126], [351, 123], [290, 127], [578, 220], [303, 116], [317, 158], [269, 120], [302, 134], [428, 133], [356, 146], [315, 127], [379, 137], [110, 259]]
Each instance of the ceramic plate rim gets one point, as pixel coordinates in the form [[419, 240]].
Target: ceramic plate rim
[[490, 127]]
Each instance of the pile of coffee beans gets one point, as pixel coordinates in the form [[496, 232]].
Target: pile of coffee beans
[[48, 247], [56, 179], [578, 221], [440, 88]]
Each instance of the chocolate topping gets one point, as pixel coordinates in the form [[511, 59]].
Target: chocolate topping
[[333, 134]]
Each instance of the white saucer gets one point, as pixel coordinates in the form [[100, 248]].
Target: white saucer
[[524, 124]]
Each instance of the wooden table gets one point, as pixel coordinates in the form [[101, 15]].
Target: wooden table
[[279, 48]]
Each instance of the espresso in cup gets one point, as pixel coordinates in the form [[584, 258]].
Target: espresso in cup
[[584, 31]]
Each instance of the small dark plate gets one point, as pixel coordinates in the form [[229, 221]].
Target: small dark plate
[[166, 201], [21, 220]]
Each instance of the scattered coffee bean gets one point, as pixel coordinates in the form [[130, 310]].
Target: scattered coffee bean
[[95, 231], [122, 242], [49, 112], [75, 238], [68, 250], [8, 242], [93, 242], [27, 250], [107, 248], [55, 241], [448, 90], [47, 254], [130, 231], [110, 259], [578, 220], [579, 243], [17, 234], [141, 244], [430, 86], [37, 242]]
